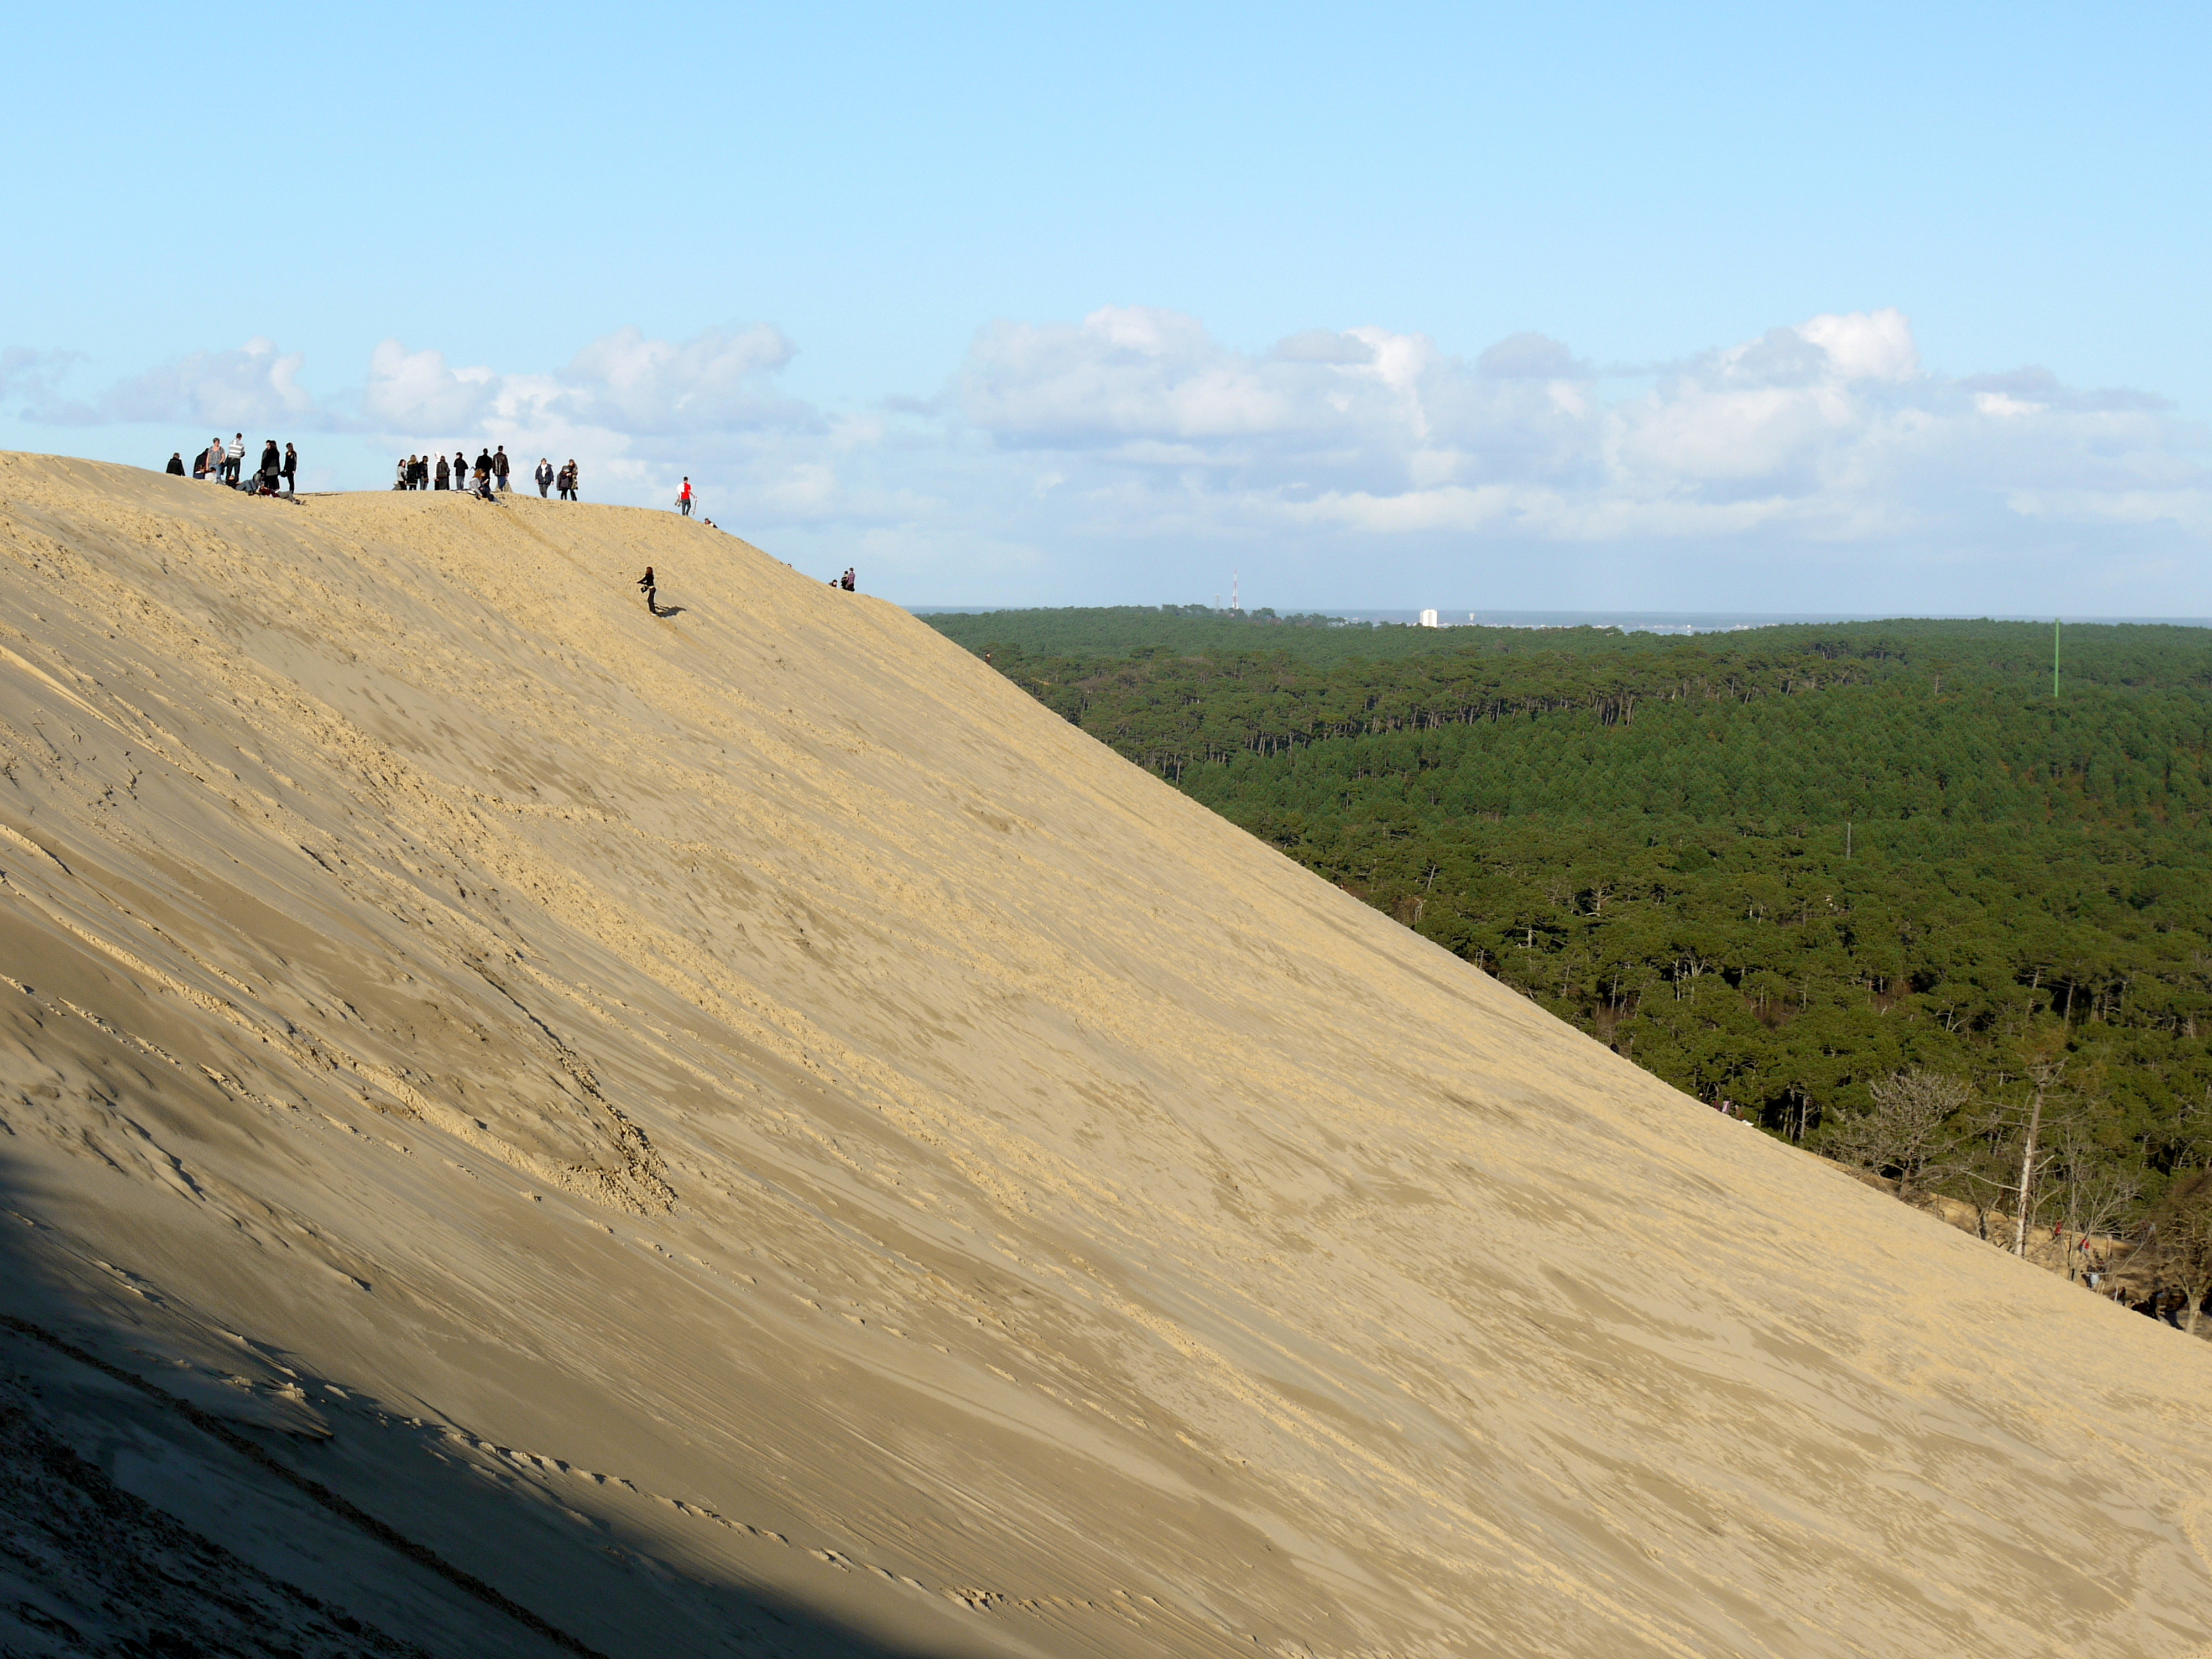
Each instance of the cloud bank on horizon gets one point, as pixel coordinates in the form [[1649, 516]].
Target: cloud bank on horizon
[[1125, 457]]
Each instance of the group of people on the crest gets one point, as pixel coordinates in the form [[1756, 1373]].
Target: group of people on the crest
[[223, 463], [490, 474]]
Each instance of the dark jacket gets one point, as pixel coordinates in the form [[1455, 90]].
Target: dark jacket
[[177, 466]]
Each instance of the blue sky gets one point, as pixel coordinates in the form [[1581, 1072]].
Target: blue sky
[[1749, 308]]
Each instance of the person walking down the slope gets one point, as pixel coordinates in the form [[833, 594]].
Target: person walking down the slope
[[176, 467], [684, 498], [647, 586], [443, 478], [500, 467], [543, 475], [233, 458], [291, 470]]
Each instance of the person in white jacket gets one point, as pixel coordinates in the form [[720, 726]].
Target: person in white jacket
[[234, 458]]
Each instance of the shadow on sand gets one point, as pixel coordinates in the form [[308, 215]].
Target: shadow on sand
[[169, 1485]]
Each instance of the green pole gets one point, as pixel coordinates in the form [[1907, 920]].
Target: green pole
[[2054, 660]]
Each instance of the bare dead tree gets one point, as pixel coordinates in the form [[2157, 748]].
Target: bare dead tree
[[2098, 1192], [2184, 1242], [1906, 1130], [2043, 1078]]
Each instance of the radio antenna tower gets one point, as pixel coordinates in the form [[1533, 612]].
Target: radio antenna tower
[[1233, 604]]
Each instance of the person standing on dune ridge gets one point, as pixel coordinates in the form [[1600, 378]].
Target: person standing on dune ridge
[[500, 467], [233, 459], [684, 498], [544, 476], [291, 470]]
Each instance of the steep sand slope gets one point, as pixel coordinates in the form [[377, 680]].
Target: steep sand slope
[[750, 1134]]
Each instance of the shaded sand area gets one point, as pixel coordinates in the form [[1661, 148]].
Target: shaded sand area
[[532, 1127]]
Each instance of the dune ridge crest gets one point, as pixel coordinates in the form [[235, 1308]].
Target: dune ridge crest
[[743, 1131]]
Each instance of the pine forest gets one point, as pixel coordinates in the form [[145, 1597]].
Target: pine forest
[[1892, 890]]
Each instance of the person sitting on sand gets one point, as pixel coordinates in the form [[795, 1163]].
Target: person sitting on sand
[[177, 465], [652, 594], [848, 581]]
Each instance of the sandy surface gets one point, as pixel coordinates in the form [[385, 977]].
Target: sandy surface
[[737, 1132]]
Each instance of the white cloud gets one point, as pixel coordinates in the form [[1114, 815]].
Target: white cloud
[[715, 381], [32, 376], [1532, 357], [1866, 345], [254, 385], [1134, 440], [1829, 429], [415, 392]]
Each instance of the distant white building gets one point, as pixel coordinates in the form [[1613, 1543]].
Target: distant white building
[[1428, 619]]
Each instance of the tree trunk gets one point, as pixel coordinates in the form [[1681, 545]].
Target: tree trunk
[[2196, 1295], [2027, 1174]]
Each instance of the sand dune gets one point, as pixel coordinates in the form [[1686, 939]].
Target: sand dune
[[737, 1132]]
